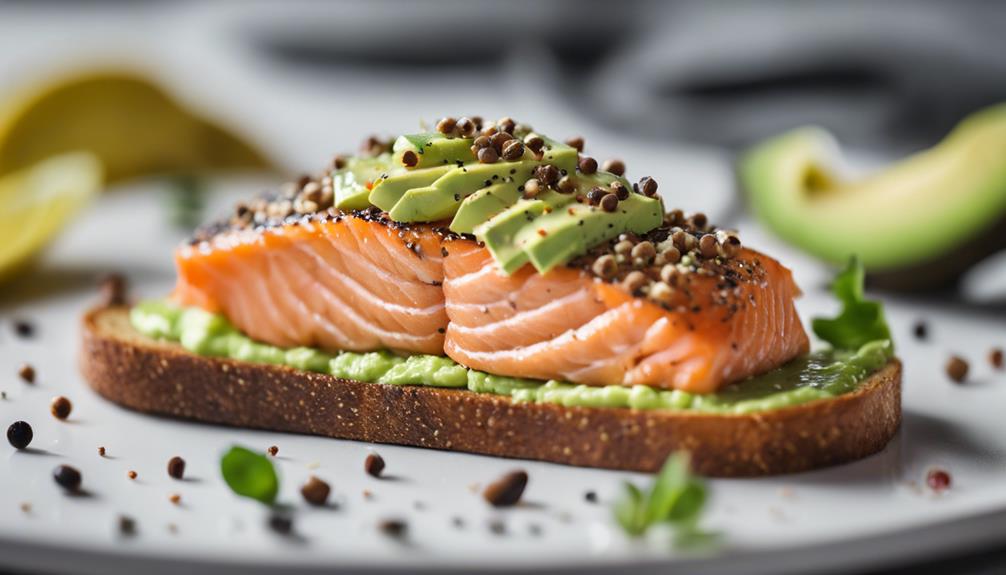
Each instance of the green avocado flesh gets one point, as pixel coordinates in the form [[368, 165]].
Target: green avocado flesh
[[486, 200], [930, 205], [819, 375], [351, 185]]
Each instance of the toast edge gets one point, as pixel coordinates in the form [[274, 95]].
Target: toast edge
[[162, 378]]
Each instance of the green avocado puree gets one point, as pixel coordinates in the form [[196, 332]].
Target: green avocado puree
[[818, 375]]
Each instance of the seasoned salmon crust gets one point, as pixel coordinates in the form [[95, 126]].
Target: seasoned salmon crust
[[360, 282], [568, 325], [351, 283]]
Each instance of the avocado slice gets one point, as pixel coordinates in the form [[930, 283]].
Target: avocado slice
[[570, 231], [554, 228], [388, 190], [351, 185], [500, 233], [442, 198], [491, 200], [483, 205], [421, 205], [918, 224], [434, 149], [558, 154]]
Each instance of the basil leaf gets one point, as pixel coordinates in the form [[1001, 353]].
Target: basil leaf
[[861, 321], [692, 538], [666, 488], [629, 510], [689, 502], [250, 474], [675, 498]]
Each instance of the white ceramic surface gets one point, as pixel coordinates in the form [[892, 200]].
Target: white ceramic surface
[[871, 512]]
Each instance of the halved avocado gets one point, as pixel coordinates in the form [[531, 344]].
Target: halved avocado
[[918, 224]]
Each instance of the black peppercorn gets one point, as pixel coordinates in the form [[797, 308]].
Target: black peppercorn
[[616, 167], [176, 467], [410, 159], [19, 434], [488, 155], [393, 527], [67, 477], [374, 465], [576, 143], [609, 203], [281, 524], [587, 165]]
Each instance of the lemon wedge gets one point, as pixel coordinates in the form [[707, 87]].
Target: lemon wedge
[[132, 125], [37, 201]]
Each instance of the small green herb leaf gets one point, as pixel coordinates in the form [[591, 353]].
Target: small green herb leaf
[[667, 488], [861, 320], [187, 201], [250, 474], [694, 539], [689, 502], [676, 498], [629, 510]]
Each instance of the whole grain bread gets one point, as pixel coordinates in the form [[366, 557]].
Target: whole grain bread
[[163, 378]]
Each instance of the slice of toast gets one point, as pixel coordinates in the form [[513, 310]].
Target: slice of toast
[[163, 378]]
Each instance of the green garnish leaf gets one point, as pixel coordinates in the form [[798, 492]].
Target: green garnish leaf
[[694, 539], [861, 320], [250, 474], [667, 488], [675, 498], [187, 201], [629, 510]]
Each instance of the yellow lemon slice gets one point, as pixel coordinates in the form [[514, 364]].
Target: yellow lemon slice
[[128, 122], [37, 201]]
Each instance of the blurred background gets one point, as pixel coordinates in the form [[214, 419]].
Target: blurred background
[[295, 75], [678, 88]]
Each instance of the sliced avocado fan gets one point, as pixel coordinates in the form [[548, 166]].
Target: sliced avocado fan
[[433, 178]]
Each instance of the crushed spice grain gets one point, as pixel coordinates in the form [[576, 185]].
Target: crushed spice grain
[[957, 369]]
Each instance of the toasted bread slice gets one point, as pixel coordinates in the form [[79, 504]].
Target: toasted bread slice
[[163, 378]]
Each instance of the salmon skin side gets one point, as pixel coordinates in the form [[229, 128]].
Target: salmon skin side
[[568, 325], [339, 282]]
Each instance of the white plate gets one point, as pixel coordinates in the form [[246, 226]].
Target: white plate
[[871, 512]]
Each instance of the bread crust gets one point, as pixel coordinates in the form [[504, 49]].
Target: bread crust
[[163, 378]]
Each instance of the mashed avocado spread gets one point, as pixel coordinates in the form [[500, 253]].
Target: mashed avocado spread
[[818, 375]]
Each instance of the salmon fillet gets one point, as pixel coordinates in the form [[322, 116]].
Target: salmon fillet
[[568, 325], [336, 282], [360, 282]]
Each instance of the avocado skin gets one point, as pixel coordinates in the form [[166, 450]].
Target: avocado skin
[[917, 225], [943, 273]]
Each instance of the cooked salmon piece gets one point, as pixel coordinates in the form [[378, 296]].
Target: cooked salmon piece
[[339, 282], [569, 325]]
